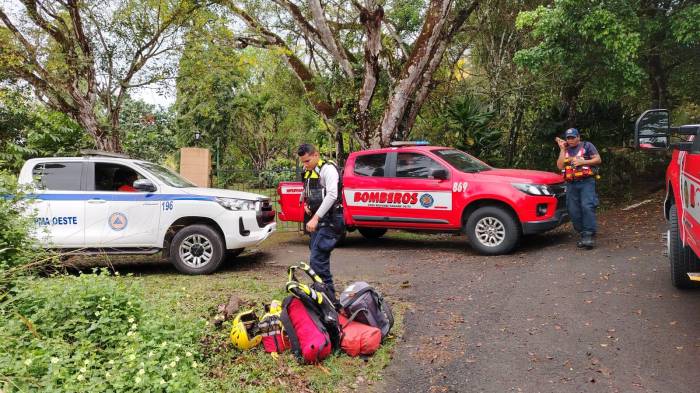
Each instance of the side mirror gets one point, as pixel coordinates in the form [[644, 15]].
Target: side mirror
[[652, 130], [438, 174], [144, 185]]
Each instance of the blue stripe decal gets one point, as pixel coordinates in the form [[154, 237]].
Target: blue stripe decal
[[127, 196]]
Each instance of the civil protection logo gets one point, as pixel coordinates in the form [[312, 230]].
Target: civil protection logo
[[426, 200], [117, 221]]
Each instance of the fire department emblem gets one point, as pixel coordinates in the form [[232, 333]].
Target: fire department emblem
[[117, 221], [426, 200]]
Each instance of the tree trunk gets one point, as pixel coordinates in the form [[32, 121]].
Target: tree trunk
[[513, 134], [571, 94], [412, 72], [658, 81]]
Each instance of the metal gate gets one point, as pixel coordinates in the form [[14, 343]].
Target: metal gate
[[263, 183]]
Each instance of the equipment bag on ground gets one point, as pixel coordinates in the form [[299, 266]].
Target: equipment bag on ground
[[317, 283], [358, 338], [270, 326], [309, 339], [362, 300]]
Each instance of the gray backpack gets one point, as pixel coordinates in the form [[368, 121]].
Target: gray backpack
[[362, 303]]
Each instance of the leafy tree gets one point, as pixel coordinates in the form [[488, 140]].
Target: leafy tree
[[29, 129], [584, 47], [369, 66], [82, 57], [148, 130]]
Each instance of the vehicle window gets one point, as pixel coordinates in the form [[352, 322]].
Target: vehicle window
[[115, 177], [461, 160], [370, 165], [415, 165], [166, 175], [63, 176]]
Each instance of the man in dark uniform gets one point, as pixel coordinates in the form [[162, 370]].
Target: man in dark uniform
[[579, 162], [322, 201]]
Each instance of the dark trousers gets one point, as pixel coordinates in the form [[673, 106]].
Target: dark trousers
[[581, 201], [322, 243]]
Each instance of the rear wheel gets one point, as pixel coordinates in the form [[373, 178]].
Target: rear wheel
[[197, 249], [492, 230], [682, 259], [372, 233]]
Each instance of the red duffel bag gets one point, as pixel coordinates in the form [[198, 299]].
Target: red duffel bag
[[359, 339]]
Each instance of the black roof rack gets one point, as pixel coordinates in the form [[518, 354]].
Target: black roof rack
[[101, 153]]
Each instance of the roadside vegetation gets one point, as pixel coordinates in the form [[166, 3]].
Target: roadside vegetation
[[74, 327]]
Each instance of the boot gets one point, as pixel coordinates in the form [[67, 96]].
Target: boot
[[587, 240], [579, 243]]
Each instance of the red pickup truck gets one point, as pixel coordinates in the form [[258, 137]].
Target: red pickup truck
[[432, 188], [653, 131]]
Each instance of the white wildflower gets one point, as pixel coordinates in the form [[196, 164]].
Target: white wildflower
[[177, 358], [131, 319], [133, 326], [150, 354], [108, 375], [174, 375], [83, 370], [28, 362], [80, 377], [97, 313], [194, 364], [188, 354], [162, 381], [172, 364], [54, 360], [130, 333], [142, 371], [138, 379], [87, 361], [111, 361], [132, 357]]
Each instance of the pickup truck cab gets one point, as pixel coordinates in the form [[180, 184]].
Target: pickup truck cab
[[414, 186], [653, 131], [108, 203]]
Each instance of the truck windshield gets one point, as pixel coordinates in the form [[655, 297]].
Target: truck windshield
[[166, 175], [461, 160]]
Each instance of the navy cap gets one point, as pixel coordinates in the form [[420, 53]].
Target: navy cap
[[571, 132]]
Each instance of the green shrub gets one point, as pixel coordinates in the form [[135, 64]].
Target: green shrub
[[94, 333]]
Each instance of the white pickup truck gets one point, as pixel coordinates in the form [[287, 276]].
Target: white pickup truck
[[107, 203]]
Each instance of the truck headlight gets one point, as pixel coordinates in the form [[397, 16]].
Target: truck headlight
[[236, 204], [533, 189]]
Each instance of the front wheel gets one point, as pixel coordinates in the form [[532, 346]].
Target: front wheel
[[492, 230], [681, 258], [197, 249]]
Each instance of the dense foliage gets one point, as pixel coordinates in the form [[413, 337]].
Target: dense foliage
[[94, 333]]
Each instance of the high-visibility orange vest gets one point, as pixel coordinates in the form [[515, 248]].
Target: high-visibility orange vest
[[571, 172]]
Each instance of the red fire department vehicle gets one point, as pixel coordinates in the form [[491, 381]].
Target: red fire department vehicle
[[414, 186], [682, 203]]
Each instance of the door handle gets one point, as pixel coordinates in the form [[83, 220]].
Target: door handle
[[96, 201]]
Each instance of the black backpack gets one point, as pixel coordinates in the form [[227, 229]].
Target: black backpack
[[362, 303]]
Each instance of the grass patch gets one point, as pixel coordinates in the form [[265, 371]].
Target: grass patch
[[230, 370], [194, 299]]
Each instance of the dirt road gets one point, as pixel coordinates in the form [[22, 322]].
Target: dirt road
[[549, 318]]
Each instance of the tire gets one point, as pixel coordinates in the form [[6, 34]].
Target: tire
[[209, 242], [682, 259], [372, 233], [492, 230]]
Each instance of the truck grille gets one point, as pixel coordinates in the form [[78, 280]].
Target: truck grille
[[266, 214], [559, 191]]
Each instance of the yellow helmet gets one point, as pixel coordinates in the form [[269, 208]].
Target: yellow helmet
[[244, 333]]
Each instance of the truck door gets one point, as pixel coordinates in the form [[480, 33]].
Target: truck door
[[363, 187], [60, 203], [407, 196], [120, 218], [690, 184]]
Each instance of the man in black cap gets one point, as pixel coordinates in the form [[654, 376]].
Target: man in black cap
[[579, 162], [322, 199]]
